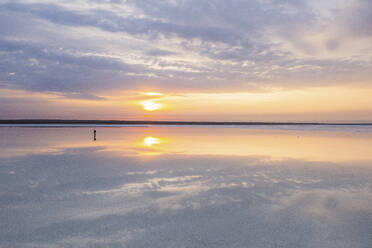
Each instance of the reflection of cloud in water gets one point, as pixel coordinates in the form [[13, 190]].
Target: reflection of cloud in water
[[190, 201], [87, 197]]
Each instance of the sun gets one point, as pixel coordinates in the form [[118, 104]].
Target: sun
[[150, 105]]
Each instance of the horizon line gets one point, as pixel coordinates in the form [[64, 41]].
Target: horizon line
[[159, 122]]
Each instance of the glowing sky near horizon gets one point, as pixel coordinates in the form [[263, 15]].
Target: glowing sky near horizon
[[259, 60]]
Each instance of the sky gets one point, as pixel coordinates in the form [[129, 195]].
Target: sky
[[238, 60]]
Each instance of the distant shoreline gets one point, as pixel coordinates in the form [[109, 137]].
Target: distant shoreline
[[141, 122]]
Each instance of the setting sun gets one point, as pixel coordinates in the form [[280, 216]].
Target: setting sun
[[150, 105]]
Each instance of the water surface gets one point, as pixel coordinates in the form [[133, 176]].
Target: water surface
[[182, 186]]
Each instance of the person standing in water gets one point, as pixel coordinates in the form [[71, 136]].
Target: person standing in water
[[94, 132]]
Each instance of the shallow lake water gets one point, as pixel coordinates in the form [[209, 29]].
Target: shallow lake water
[[186, 186]]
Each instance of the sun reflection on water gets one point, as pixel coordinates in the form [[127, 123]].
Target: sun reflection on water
[[331, 146], [150, 141]]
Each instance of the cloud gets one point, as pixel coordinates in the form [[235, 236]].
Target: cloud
[[358, 18], [43, 68], [81, 49], [111, 22]]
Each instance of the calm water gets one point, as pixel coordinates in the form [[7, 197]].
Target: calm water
[[186, 187]]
